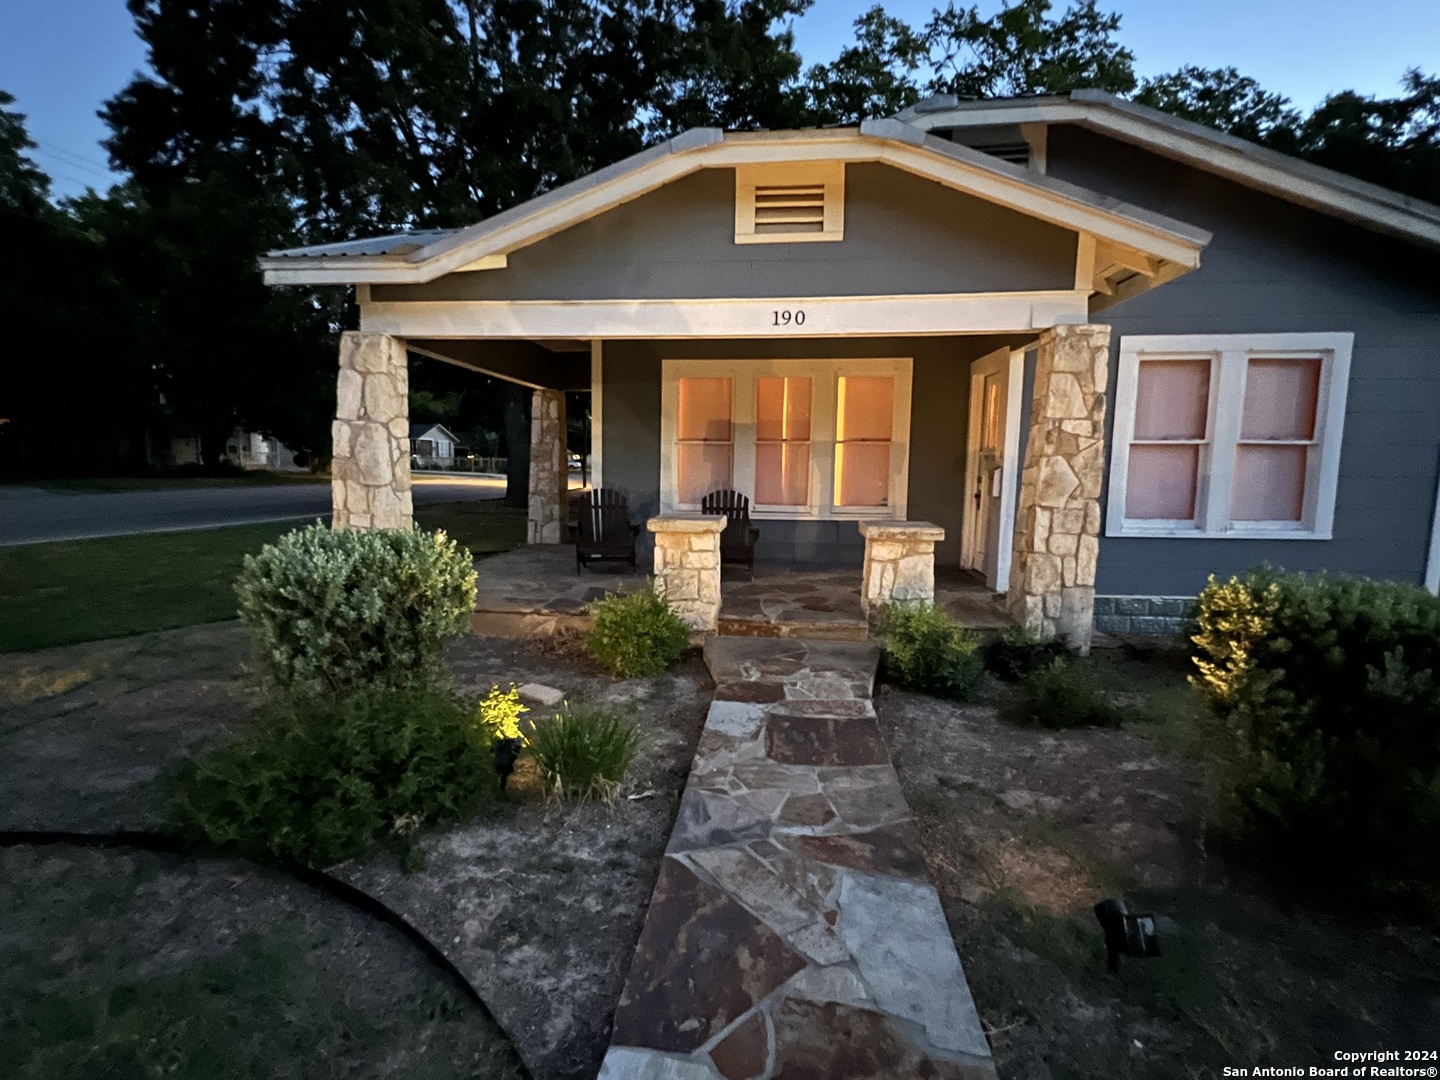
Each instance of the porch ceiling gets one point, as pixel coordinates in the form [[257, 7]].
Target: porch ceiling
[[525, 363]]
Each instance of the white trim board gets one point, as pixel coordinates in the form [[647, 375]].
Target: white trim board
[[808, 317], [1228, 355], [597, 413]]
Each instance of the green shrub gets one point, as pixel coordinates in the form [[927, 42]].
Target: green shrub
[[584, 753], [331, 610], [1062, 694], [1017, 652], [635, 634], [926, 649], [326, 779], [1328, 690]]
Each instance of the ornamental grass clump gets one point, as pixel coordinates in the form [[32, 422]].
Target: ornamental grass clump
[[584, 753], [926, 649], [1328, 692], [331, 610], [636, 634], [1063, 694], [323, 779]]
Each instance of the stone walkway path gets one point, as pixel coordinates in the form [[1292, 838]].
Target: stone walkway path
[[792, 934]]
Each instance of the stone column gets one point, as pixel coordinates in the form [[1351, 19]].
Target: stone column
[[899, 562], [549, 468], [1057, 526], [687, 566], [370, 467]]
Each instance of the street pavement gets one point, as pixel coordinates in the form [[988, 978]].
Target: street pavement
[[31, 515]]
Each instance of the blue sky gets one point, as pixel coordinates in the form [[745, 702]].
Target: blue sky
[[62, 58]]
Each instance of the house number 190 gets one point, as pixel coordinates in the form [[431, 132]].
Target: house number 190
[[789, 318]]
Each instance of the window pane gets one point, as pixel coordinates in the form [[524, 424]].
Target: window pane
[[862, 474], [705, 409], [1280, 398], [866, 408], [1269, 483], [703, 468], [1171, 399], [782, 409], [782, 474], [1161, 483]]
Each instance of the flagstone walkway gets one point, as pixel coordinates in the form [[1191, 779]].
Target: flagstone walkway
[[792, 934]]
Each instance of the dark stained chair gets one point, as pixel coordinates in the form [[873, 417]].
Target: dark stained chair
[[604, 532], [737, 540]]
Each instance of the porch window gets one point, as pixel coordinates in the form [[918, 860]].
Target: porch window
[[1228, 435], [782, 440], [705, 437], [802, 438], [864, 426]]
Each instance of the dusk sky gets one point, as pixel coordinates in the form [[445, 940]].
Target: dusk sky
[[62, 58]]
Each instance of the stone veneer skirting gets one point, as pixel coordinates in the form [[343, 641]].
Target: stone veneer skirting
[[1148, 615]]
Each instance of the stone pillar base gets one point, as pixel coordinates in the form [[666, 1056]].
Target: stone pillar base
[[687, 566], [370, 466], [549, 468], [899, 562]]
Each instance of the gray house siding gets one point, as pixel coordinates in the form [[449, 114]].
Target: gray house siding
[[1275, 267], [938, 426], [904, 235]]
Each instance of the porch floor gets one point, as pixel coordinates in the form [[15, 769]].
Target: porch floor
[[535, 589]]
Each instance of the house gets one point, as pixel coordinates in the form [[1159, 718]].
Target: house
[[1106, 352], [432, 446]]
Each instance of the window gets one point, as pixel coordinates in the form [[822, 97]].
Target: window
[[801, 438], [705, 437], [790, 203], [1228, 435], [782, 440]]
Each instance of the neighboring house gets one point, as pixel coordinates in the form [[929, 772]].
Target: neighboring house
[[1108, 351], [251, 450], [432, 446]]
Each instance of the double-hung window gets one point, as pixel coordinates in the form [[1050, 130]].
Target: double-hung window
[[1228, 435], [801, 438]]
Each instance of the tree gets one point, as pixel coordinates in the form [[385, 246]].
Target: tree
[[874, 77], [1223, 99]]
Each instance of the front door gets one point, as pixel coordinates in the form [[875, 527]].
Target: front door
[[990, 464]]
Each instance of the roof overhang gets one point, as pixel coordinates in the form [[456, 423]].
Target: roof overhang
[[1236, 159], [1153, 245]]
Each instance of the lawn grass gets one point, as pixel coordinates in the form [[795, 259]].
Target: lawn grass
[[83, 590], [93, 484]]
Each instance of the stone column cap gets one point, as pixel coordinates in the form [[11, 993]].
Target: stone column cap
[[686, 523], [901, 530]]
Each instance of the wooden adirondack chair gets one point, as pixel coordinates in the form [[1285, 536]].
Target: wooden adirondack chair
[[605, 533], [737, 540]]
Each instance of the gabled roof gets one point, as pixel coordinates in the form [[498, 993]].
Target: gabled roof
[[419, 430], [1236, 159], [420, 257]]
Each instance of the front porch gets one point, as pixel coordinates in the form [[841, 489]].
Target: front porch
[[534, 590]]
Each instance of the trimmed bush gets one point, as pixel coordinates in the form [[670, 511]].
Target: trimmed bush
[[584, 753], [499, 713], [1017, 652], [327, 779], [1062, 694], [636, 634], [333, 610], [1328, 690], [926, 649]]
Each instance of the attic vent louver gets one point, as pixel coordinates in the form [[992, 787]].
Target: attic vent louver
[[1017, 153], [789, 203]]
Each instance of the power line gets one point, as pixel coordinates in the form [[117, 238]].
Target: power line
[[79, 159], [75, 164]]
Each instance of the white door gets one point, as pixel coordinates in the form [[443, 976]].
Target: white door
[[990, 466]]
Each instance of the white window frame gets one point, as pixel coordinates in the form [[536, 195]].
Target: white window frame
[[1229, 355], [829, 175], [824, 376]]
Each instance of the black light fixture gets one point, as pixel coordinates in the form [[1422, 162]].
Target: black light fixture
[[506, 753], [1125, 934]]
